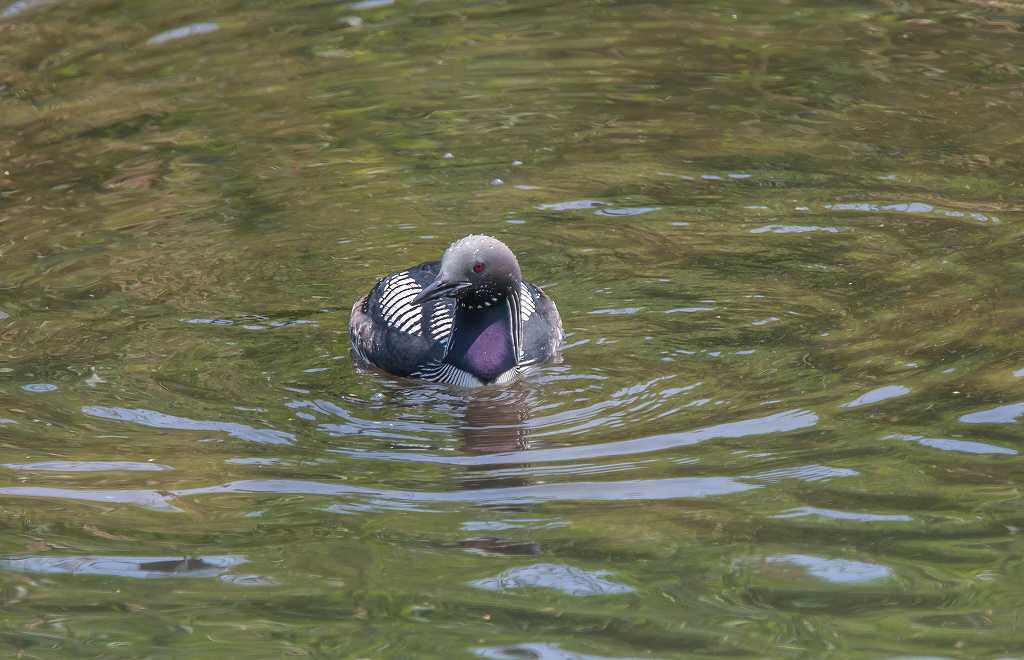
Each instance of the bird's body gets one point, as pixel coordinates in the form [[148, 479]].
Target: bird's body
[[489, 330]]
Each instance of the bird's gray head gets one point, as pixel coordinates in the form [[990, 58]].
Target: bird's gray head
[[474, 265]]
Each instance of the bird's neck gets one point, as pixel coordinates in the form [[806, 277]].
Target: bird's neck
[[483, 342], [481, 299]]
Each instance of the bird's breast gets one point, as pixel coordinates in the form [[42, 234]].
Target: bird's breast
[[483, 345]]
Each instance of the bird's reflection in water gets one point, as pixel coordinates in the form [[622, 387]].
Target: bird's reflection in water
[[494, 421], [185, 565]]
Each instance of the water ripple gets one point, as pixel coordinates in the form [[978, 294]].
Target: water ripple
[[946, 444], [783, 422], [124, 566], [567, 579], [912, 208], [1001, 415], [626, 211], [183, 32], [87, 466], [536, 651], [37, 388], [809, 511], [357, 425], [839, 571], [617, 311], [159, 420], [572, 206], [148, 499], [794, 229], [504, 525], [877, 395], [805, 473], [21, 6], [370, 4], [639, 489]]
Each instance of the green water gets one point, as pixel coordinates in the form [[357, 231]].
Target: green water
[[784, 237]]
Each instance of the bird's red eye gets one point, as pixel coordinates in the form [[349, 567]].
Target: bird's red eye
[[478, 267]]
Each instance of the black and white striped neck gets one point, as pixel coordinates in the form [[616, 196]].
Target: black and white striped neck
[[477, 302], [485, 334]]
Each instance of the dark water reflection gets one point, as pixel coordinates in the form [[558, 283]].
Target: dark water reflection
[[123, 566], [784, 238]]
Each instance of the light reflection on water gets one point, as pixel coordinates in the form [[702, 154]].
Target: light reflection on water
[[914, 208], [537, 652], [1000, 415], [840, 571], [962, 446], [567, 579], [778, 423], [784, 241], [123, 566], [877, 396], [159, 420], [87, 466]]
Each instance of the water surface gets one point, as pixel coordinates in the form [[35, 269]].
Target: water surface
[[784, 238]]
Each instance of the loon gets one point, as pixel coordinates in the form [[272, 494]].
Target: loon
[[467, 320]]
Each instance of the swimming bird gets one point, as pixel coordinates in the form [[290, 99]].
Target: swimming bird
[[469, 319]]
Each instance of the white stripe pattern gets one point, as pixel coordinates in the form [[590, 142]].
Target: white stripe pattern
[[527, 301], [443, 372], [516, 321], [441, 322], [396, 304], [509, 376], [452, 375], [396, 309]]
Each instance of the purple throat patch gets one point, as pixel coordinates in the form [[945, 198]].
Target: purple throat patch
[[490, 353]]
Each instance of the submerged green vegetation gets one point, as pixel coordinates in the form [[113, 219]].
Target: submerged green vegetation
[[785, 240]]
